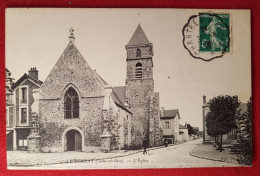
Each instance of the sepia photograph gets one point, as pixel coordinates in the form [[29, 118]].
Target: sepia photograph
[[128, 88]]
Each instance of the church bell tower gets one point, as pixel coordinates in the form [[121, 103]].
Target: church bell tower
[[139, 81]]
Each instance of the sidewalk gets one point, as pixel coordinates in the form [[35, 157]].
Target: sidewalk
[[208, 151], [23, 158]]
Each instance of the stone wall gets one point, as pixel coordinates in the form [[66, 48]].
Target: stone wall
[[147, 67], [138, 93], [146, 52], [71, 70], [158, 139], [53, 124]]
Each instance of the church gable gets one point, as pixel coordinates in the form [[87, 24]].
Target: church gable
[[71, 68]]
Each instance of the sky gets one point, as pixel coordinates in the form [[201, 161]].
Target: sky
[[38, 37]]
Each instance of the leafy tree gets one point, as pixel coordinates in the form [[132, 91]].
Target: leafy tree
[[211, 126], [190, 129], [243, 147], [221, 117]]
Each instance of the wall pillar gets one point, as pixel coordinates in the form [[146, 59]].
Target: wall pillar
[[106, 141], [14, 140], [34, 139]]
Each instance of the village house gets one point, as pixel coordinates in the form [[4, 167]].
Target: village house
[[183, 133], [19, 100], [170, 125]]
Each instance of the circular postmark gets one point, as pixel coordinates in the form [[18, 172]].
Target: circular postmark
[[207, 36]]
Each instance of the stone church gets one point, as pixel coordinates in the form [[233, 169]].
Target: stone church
[[75, 109]]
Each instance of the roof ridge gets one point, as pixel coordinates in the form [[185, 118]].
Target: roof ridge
[[101, 79], [25, 75]]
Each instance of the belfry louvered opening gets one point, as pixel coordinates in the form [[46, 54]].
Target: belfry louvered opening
[[138, 70]]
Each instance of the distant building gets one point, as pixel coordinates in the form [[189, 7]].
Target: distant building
[[170, 125], [183, 133], [205, 111]]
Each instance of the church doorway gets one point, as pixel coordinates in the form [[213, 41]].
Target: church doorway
[[74, 140]]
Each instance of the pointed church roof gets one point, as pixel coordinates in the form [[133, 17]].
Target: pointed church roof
[[138, 38], [72, 68]]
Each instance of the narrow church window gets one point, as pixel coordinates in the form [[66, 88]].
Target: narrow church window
[[138, 53], [138, 70], [71, 104]]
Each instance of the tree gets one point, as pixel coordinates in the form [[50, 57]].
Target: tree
[[221, 117], [211, 126], [243, 147], [190, 129]]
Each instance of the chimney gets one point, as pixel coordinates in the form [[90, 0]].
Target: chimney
[[204, 99], [33, 73]]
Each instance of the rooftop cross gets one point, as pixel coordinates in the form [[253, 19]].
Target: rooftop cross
[[71, 32], [71, 37]]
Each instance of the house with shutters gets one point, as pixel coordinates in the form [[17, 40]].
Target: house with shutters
[[170, 125], [18, 108]]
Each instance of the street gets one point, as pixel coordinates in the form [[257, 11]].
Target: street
[[177, 156]]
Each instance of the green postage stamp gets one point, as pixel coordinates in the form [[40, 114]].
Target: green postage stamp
[[207, 35], [214, 32]]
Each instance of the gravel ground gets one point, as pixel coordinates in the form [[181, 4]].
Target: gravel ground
[[23, 158]]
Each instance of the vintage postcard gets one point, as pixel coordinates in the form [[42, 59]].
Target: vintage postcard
[[128, 88]]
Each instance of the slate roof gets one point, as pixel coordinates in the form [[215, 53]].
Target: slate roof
[[25, 76], [170, 113], [182, 127], [118, 95], [120, 91], [138, 38]]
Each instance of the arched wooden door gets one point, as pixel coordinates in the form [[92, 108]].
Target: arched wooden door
[[74, 141]]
